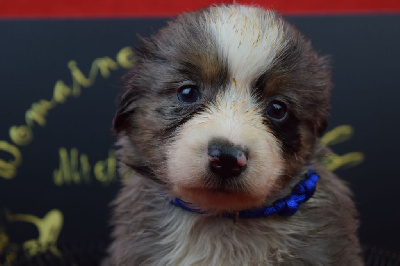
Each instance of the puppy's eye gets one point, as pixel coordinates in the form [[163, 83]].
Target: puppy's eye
[[277, 111], [188, 94]]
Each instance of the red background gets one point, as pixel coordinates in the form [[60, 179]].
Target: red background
[[143, 8]]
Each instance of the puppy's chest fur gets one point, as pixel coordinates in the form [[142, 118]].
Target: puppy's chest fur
[[154, 232]]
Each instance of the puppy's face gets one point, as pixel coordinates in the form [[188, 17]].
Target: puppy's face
[[224, 106]]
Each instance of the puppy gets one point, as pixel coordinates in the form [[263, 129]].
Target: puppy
[[219, 129]]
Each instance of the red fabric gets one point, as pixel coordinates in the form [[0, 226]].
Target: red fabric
[[141, 8]]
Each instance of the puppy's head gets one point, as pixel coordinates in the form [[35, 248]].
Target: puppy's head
[[225, 106]]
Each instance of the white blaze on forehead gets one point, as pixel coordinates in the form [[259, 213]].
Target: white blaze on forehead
[[249, 38]]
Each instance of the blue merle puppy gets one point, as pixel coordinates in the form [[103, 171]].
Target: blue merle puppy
[[219, 127]]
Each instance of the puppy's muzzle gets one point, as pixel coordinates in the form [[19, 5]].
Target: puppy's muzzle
[[226, 159]]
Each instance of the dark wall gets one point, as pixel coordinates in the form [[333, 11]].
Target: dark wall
[[61, 148]]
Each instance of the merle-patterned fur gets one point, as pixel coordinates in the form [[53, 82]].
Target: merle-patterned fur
[[149, 115]]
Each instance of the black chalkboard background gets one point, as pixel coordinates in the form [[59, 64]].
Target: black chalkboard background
[[36, 54]]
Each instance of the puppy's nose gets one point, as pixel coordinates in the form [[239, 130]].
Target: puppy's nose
[[226, 159]]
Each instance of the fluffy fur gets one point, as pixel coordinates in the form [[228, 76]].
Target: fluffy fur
[[240, 60]]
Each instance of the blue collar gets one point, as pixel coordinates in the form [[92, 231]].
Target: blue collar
[[285, 207]]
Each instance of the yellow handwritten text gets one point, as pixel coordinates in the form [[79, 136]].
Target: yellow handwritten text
[[23, 135], [49, 228], [102, 65], [75, 169], [8, 169], [334, 161], [105, 171], [4, 240], [337, 135], [38, 113]]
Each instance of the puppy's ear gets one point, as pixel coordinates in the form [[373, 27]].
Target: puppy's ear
[[324, 78], [322, 127], [127, 99], [126, 106]]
